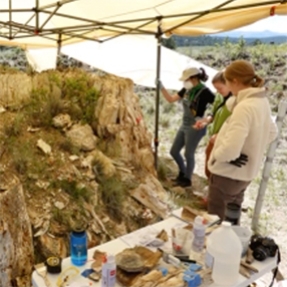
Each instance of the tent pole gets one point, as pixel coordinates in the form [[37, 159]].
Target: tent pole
[[59, 42], [156, 140], [267, 167]]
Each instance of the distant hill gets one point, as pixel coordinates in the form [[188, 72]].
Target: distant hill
[[250, 34], [250, 39]]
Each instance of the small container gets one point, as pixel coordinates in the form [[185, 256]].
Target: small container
[[232, 213], [109, 271], [181, 242], [244, 234], [199, 234], [79, 247], [224, 253]]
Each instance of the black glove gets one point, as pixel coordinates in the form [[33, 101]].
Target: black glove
[[240, 161], [182, 92]]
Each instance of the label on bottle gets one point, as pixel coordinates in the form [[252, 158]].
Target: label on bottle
[[209, 259], [198, 241], [108, 277], [112, 278]]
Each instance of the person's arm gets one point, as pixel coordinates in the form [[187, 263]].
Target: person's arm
[[238, 129], [170, 98]]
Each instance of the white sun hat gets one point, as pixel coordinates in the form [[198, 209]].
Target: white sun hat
[[189, 72]]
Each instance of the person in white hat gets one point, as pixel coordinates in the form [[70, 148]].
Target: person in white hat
[[195, 97]]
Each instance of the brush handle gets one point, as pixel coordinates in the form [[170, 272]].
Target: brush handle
[[46, 280]]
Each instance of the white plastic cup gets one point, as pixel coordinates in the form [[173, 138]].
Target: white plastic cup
[[182, 241], [244, 234]]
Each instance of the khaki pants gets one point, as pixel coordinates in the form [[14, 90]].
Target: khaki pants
[[223, 190]]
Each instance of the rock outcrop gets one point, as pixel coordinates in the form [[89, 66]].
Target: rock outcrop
[[16, 248]]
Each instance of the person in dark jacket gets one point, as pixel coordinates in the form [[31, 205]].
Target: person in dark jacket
[[195, 98]]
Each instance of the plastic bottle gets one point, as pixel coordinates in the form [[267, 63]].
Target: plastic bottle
[[109, 271], [78, 247], [224, 249], [199, 234]]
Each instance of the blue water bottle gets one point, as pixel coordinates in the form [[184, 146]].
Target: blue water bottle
[[78, 247]]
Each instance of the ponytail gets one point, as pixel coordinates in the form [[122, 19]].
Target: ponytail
[[257, 82], [244, 72], [202, 76]]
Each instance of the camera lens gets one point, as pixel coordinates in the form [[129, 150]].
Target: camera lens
[[260, 253]]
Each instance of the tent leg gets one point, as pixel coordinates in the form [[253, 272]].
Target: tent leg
[[59, 42], [267, 167], [156, 140]]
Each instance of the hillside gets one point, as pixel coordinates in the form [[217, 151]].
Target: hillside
[[207, 40]]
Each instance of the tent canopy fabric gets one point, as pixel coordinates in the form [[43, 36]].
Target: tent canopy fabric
[[134, 57], [46, 23]]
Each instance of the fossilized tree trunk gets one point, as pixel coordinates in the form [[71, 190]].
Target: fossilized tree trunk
[[119, 115], [16, 247]]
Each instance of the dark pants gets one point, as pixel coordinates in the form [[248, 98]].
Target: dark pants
[[223, 190], [189, 138]]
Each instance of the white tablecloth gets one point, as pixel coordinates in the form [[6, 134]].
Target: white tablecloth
[[135, 238]]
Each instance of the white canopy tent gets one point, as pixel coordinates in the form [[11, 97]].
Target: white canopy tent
[[46, 23]]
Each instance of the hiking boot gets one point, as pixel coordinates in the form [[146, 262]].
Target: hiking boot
[[184, 182], [179, 177]]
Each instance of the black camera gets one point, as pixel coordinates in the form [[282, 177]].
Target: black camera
[[263, 247]]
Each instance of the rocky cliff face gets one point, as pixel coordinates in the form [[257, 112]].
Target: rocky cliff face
[[16, 248], [79, 146]]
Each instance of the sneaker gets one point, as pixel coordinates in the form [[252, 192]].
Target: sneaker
[[185, 182], [179, 177]]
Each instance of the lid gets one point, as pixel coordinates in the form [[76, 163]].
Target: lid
[[54, 265], [199, 220], [226, 224], [78, 229], [111, 259], [104, 258]]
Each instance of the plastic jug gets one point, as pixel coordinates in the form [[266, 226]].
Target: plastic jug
[[225, 248]]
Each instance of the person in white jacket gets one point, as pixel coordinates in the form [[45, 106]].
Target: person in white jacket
[[240, 144]]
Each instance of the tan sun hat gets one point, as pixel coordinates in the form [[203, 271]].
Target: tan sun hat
[[187, 73]]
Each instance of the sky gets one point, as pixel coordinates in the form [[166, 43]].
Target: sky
[[275, 24]]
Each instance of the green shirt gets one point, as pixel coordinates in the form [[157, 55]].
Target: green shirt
[[219, 115]]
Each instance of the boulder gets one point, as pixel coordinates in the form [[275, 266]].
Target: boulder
[[82, 136]]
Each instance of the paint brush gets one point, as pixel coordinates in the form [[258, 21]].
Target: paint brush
[[41, 270]]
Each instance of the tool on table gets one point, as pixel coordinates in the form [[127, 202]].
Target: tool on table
[[169, 258], [246, 269], [181, 258], [41, 270], [66, 276], [249, 256]]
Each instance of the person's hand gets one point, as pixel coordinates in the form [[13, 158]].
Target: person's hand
[[200, 124], [157, 81], [240, 161]]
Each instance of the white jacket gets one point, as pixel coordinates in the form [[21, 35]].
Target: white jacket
[[248, 130]]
